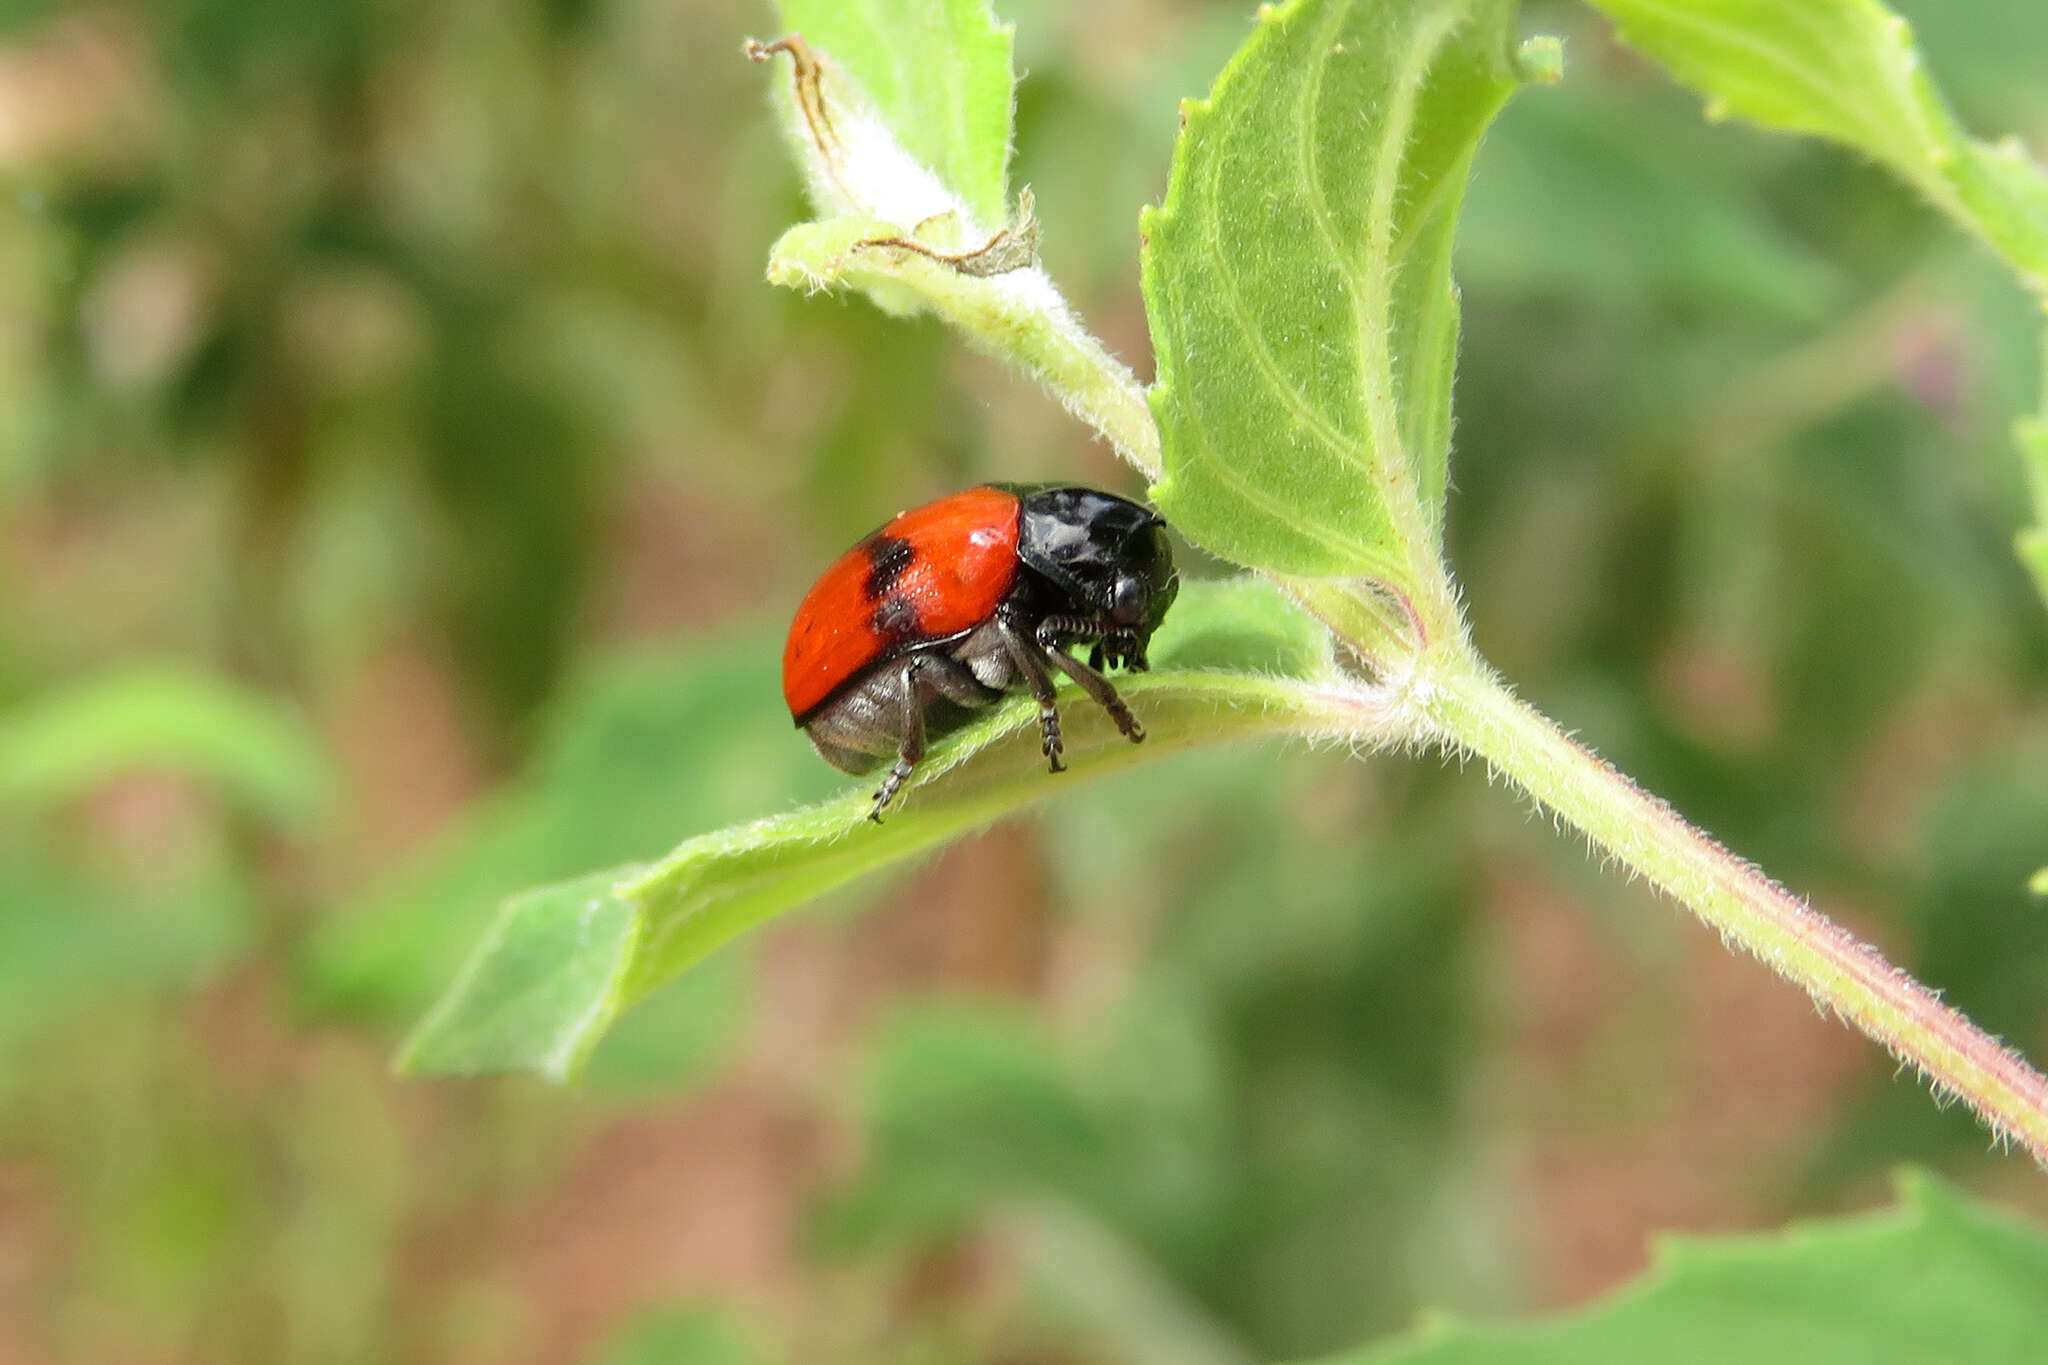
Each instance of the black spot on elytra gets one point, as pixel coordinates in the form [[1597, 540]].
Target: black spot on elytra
[[888, 557], [896, 618]]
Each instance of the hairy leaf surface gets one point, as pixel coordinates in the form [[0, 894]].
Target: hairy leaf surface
[[1298, 282]]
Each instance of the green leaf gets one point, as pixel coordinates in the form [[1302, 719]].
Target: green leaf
[[912, 242], [162, 717], [1938, 1281], [1848, 70], [562, 962], [1298, 282], [938, 72]]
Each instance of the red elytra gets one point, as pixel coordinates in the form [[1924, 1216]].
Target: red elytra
[[930, 573]]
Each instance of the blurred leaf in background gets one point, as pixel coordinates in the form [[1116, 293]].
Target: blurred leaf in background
[[1268, 1113], [162, 717], [680, 1337]]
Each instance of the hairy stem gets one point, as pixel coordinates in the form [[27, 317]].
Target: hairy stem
[[1419, 653], [1474, 712]]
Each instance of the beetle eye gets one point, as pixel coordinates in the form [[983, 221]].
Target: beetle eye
[[1127, 601]]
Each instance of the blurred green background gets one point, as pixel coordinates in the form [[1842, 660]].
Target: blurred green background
[[405, 476]]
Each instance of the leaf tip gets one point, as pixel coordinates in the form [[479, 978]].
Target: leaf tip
[[1150, 219]]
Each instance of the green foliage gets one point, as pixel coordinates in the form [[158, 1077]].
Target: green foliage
[[939, 73], [1298, 283], [1622, 205], [162, 717], [1847, 70], [910, 242], [541, 991], [1939, 1281], [1223, 1098], [390, 428], [68, 941]]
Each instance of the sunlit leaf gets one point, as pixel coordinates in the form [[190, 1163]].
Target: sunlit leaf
[[1298, 282]]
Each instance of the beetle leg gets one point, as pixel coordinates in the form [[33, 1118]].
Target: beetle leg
[[1030, 661], [917, 691], [1096, 686]]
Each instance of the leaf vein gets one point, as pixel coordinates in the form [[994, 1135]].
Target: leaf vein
[[1297, 403]]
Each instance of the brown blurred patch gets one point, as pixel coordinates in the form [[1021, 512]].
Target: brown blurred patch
[[80, 89], [974, 920], [95, 573], [1638, 1092], [685, 559], [698, 1202], [1718, 692], [25, 1249], [405, 736], [1888, 795]]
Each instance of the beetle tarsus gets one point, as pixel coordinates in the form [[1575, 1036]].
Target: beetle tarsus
[[1053, 746], [893, 783]]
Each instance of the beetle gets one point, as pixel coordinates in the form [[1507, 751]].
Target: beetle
[[947, 607]]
